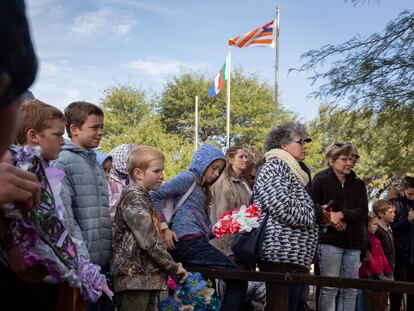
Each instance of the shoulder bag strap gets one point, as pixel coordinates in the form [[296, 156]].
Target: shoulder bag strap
[[183, 199]]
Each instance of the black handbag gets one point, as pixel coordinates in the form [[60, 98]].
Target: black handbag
[[247, 247]]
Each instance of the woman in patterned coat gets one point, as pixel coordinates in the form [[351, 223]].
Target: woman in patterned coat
[[291, 231]]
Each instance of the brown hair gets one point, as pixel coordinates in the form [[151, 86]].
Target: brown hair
[[338, 149], [77, 113], [141, 156], [382, 206], [407, 182], [37, 115], [230, 154]]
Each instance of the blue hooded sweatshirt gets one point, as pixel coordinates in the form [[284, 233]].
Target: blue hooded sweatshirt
[[191, 218]]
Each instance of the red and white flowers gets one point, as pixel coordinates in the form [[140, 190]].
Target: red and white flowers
[[240, 220]]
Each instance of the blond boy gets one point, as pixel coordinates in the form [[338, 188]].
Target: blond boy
[[140, 261]]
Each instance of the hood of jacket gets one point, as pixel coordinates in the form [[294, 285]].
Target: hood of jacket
[[203, 157], [119, 158], [87, 153], [101, 157]]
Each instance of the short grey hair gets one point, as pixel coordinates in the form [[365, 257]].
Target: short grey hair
[[284, 134]]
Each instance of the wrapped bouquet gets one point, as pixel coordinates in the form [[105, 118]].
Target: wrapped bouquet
[[195, 294], [240, 220], [42, 236]]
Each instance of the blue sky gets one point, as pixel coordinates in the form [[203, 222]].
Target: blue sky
[[85, 46]]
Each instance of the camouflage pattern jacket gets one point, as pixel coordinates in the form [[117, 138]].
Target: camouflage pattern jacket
[[140, 260]]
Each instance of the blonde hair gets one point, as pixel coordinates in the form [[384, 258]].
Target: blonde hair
[[372, 217], [141, 156], [36, 115], [382, 206]]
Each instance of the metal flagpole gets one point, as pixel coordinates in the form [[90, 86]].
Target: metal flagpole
[[228, 76], [277, 64], [196, 125]]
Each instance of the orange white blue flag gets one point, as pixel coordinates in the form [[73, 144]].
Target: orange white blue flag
[[261, 36]]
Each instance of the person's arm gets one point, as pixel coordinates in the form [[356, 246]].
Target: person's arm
[[67, 199], [173, 188], [223, 201], [71, 223], [360, 212], [135, 213], [401, 222], [274, 195]]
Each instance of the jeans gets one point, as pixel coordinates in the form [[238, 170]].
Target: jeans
[[295, 291], [200, 253], [338, 262]]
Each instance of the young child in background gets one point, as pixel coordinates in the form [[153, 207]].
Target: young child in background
[[118, 176], [385, 211], [104, 160], [375, 266], [140, 262], [85, 181]]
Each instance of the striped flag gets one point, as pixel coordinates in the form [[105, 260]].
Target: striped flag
[[217, 84], [261, 36]]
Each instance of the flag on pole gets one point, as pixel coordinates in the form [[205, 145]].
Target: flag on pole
[[261, 36], [217, 84]]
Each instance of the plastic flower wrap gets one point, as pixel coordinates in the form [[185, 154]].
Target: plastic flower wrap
[[195, 294], [240, 220], [42, 236]]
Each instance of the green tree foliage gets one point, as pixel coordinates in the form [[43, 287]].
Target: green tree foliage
[[252, 107], [370, 71], [129, 118], [385, 141]]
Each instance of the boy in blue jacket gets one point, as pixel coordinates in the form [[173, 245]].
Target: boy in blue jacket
[[85, 181]]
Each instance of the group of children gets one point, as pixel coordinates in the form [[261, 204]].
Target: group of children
[[137, 258]]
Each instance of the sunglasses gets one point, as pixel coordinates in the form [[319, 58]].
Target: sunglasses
[[303, 141]]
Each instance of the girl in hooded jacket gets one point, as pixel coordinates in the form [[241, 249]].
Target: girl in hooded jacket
[[188, 238]]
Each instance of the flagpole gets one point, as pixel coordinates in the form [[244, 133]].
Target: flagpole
[[277, 65], [228, 99], [196, 125]]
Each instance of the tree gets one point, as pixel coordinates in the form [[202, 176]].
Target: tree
[[374, 70], [129, 118], [252, 104], [385, 141]]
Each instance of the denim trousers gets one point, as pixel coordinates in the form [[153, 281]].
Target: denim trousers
[[200, 253], [338, 262]]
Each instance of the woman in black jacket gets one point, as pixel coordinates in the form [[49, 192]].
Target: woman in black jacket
[[340, 247]]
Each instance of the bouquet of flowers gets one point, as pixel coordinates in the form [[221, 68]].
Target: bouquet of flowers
[[42, 236], [240, 220], [195, 294]]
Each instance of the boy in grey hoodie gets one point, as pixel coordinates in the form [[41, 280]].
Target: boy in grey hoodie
[[84, 179]]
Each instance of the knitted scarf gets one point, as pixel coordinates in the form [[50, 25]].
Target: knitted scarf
[[291, 162]]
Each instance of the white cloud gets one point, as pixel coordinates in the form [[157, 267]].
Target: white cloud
[[59, 83], [103, 21], [160, 69]]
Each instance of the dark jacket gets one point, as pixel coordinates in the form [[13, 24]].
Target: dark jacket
[[351, 199], [385, 235], [403, 230]]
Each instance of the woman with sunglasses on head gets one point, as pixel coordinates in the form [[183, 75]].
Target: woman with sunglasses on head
[[340, 247], [291, 231]]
